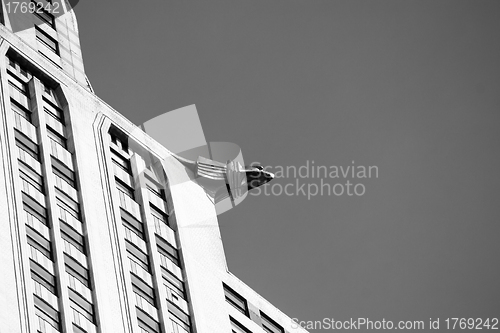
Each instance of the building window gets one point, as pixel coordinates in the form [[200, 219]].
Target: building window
[[20, 110], [42, 15], [53, 111], [120, 161], [57, 138], [158, 216], [73, 237], [39, 242], [236, 300], [18, 70], [174, 284], [124, 188], [269, 325], [45, 39], [146, 322], [119, 139], [76, 270], [155, 188], [132, 223], [168, 250], [78, 329], [40, 274], [35, 209], [32, 177], [27, 146], [139, 257], [67, 204], [18, 85], [63, 172], [49, 95], [46, 89], [180, 321], [236, 327], [143, 289], [48, 313], [83, 306], [179, 314]]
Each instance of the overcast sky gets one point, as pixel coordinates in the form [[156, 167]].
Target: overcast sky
[[412, 87]]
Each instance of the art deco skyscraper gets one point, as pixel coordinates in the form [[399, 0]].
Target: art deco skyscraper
[[94, 236]]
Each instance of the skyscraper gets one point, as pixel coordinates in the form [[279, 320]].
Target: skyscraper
[[101, 229]]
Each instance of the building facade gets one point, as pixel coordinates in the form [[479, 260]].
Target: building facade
[[102, 229]]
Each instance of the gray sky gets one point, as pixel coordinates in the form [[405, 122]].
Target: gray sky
[[412, 87]]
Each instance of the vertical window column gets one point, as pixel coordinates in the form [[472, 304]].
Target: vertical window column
[[142, 271], [69, 215], [42, 261], [57, 252], [168, 276]]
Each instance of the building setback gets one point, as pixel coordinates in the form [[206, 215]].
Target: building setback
[[92, 237]]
